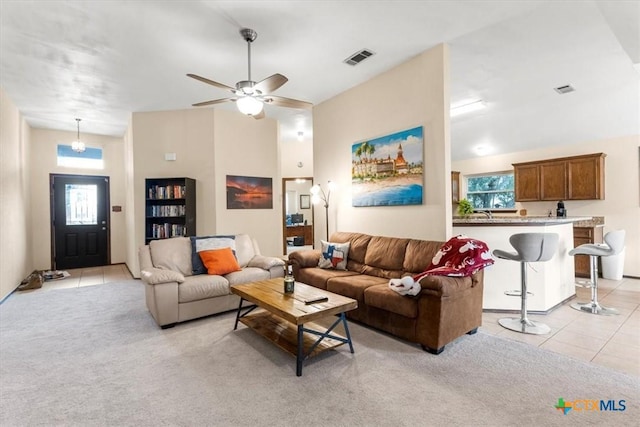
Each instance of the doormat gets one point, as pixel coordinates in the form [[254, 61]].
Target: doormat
[[55, 275]]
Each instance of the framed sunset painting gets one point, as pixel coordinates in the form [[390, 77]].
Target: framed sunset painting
[[248, 192], [388, 171]]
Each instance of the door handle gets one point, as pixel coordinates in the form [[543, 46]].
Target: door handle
[[104, 228]]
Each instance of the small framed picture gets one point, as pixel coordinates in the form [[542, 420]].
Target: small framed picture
[[305, 201]]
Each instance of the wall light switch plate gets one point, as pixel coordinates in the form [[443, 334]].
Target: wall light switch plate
[[170, 157]]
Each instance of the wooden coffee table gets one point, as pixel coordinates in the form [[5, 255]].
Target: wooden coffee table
[[287, 319]]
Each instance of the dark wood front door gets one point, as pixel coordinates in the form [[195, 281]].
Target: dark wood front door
[[79, 221]]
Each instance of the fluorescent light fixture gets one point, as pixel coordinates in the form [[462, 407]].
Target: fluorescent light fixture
[[467, 108]]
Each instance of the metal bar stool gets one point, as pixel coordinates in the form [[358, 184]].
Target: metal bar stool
[[614, 245], [530, 247]]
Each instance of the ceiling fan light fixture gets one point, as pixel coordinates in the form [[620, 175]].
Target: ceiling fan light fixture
[[77, 145], [249, 105]]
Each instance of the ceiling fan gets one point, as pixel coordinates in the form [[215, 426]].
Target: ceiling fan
[[251, 96]]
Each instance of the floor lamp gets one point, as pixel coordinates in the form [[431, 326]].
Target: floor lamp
[[318, 195]]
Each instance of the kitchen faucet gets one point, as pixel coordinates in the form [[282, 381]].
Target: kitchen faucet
[[487, 213]]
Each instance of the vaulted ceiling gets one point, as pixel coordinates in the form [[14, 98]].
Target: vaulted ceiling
[[102, 60]]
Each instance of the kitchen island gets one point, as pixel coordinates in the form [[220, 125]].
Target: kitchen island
[[551, 282]]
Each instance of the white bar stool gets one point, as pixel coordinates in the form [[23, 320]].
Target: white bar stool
[[530, 247], [614, 245]]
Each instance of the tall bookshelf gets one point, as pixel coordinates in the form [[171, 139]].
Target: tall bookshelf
[[170, 208]]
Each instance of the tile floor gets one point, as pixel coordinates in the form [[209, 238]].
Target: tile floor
[[612, 341], [90, 276]]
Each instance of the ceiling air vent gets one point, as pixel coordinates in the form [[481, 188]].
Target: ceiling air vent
[[358, 57], [564, 89]]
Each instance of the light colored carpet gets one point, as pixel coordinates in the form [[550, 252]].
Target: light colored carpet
[[93, 356]]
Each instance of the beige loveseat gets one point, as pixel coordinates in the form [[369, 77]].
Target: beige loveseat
[[174, 294]]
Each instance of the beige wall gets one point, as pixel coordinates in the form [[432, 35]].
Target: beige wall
[[412, 94], [16, 261], [131, 246], [43, 161], [248, 147], [621, 207], [209, 144], [294, 152]]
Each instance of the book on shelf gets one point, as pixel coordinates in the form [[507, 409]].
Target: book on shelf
[[166, 210], [163, 192], [167, 230]]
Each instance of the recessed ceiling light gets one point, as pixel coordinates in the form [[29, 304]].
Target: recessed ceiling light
[[485, 148]]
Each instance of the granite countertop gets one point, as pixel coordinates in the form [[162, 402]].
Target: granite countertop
[[524, 220], [595, 221]]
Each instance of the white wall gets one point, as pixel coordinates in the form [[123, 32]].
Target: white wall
[[16, 261], [43, 159], [412, 94], [209, 144], [621, 207]]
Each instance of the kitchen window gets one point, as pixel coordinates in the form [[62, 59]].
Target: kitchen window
[[491, 191]]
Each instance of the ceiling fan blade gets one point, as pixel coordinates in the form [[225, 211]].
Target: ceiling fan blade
[[259, 115], [215, 101], [211, 82], [271, 83], [288, 102]]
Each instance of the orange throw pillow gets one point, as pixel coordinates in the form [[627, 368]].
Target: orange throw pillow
[[219, 261]]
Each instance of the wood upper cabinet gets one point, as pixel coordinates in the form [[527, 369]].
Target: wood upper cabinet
[[567, 178], [455, 186], [527, 182], [553, 179], [586, 178]]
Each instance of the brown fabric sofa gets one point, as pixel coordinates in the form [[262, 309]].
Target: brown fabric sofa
[[445, 309]]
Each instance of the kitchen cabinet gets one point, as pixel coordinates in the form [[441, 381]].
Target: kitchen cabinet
[[553, 178], [527, 182], [567, 178], [586, 178], [581, 236], [455, 186]]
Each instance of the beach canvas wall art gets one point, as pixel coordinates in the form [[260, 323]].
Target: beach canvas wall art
[[387, 171], [248, 192]]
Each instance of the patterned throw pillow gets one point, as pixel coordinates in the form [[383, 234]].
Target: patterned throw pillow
[[203, 243], [460, 256], [334, 255]]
